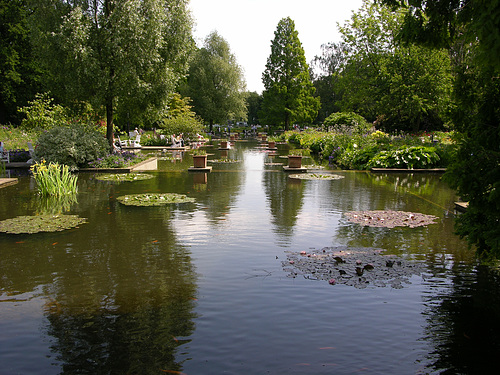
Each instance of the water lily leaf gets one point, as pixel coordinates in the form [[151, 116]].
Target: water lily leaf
[[40, 223], [154, 199], [316, 176], [390, 219], [357, 267], [119, 177]]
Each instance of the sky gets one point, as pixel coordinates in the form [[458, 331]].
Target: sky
[[249, 25]]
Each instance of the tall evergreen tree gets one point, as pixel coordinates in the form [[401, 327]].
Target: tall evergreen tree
[[288, 95], [114, 53], [216, 83]]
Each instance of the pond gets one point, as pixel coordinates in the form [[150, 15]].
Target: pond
[[209, 287]]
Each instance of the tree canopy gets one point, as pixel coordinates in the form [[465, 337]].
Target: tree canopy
[[404, 87], [471, 30], [124, 56], [216, 83], [288, 95], [20, 75]]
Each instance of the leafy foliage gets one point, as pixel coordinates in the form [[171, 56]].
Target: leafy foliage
[[404, 87], [355, 123], [408, 157], [216, 83], [471, 31], [74, 146], [42, 113], [184, 123], [116, 160], [40, 223], [118, 55], [54, 179], [288, 95], [20, 73]]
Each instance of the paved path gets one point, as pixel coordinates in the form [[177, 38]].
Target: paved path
[[7, 182]]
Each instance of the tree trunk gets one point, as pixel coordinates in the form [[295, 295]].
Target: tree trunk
[[287, 122], [109, 121]]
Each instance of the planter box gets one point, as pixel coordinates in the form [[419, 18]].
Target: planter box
[[294, 161], [199, 161]]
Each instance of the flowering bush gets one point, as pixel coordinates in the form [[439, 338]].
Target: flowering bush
[[116, 160], [54, 179]]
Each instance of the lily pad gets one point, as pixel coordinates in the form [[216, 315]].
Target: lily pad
[[390, 219], [316, 176], [40, 223], [357, 267], [119, 177], [154, 199], [224, 161]]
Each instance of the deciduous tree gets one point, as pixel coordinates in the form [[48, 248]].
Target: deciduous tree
[[20, 74], [406, 87], [474, 25], [114, 53], [216, 83], [288, 95]]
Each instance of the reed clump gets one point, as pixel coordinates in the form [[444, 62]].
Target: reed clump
[[54, 179]]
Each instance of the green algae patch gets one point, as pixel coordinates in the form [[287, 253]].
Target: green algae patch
[[158, 199], [40, 223], [316, 176], [120, 177]]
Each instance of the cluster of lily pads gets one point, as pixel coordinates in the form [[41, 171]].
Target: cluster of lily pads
[[154, 199], [357, 267], [40, 223], [390, 219], [224, 161], [316, 176], [119, 177]]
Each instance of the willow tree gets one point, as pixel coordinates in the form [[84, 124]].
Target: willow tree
[[114, 53], [216, 83], [288, 95]]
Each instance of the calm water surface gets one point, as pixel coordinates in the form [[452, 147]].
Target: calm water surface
[[201, 288]]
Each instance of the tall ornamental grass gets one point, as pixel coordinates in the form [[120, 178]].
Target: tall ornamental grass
[[54, 179]]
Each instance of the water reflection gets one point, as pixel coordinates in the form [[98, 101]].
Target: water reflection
[[201, 289], [463, 319]]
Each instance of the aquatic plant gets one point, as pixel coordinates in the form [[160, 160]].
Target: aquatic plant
[[119, 177], [154, 199], [54, 179], [40, 223], [316, 176]]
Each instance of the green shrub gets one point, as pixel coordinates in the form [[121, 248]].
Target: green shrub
[[347, 122], [41, 113], [184, 123], [407, 157], [359, 158], [74, 146], [117, 160]]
